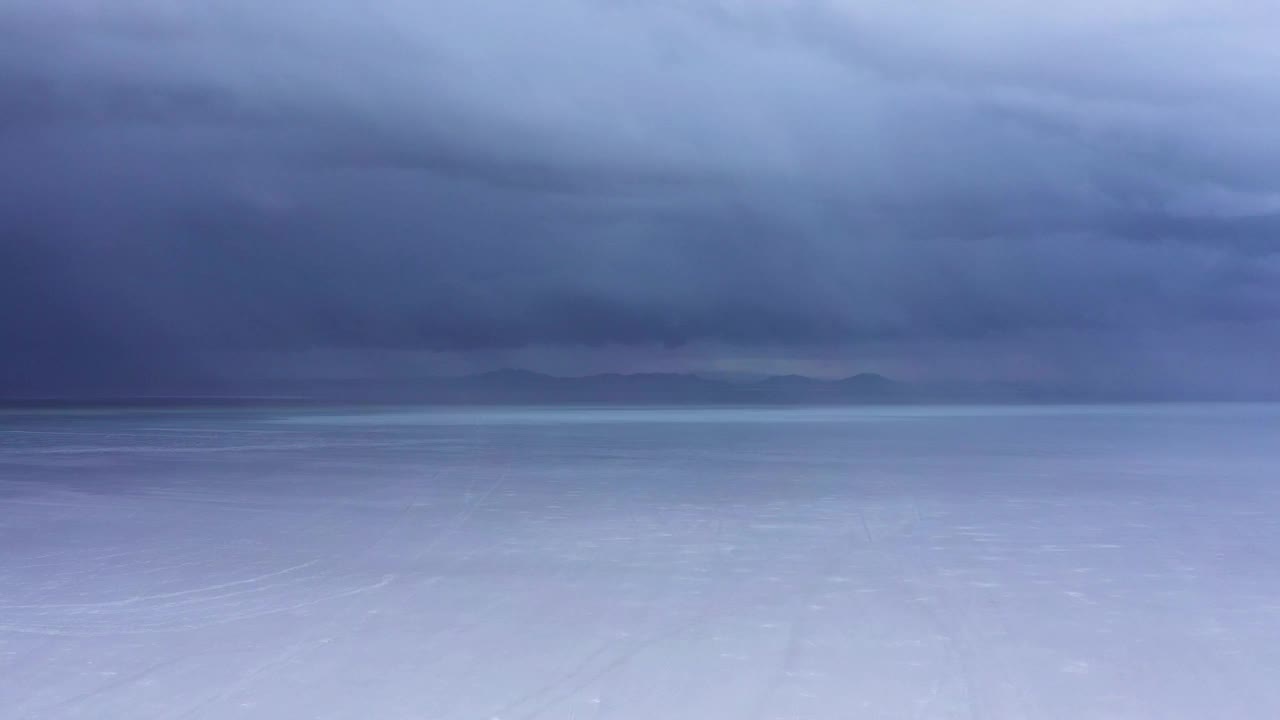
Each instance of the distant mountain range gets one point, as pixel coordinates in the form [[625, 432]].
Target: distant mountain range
[[527, 387]]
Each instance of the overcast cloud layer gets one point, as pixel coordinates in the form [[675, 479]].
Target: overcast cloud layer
[[1085, 189]]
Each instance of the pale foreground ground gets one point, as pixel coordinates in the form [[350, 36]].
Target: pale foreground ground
[[796, 564]]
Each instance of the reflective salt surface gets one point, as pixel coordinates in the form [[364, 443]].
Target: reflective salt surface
[[959, 562]]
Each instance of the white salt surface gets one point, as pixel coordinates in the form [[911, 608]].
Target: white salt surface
[[648, 564]]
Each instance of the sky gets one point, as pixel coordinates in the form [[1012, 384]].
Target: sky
[[1084, 193]]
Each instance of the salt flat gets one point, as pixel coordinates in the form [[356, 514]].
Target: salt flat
[[701, 563]]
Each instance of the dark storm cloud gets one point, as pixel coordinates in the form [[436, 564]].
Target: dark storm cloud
[[478, 175]]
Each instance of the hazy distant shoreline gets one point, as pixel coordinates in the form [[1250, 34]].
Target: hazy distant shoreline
[[526, 388]]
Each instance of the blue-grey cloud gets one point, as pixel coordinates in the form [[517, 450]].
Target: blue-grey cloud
[[472, 176]]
